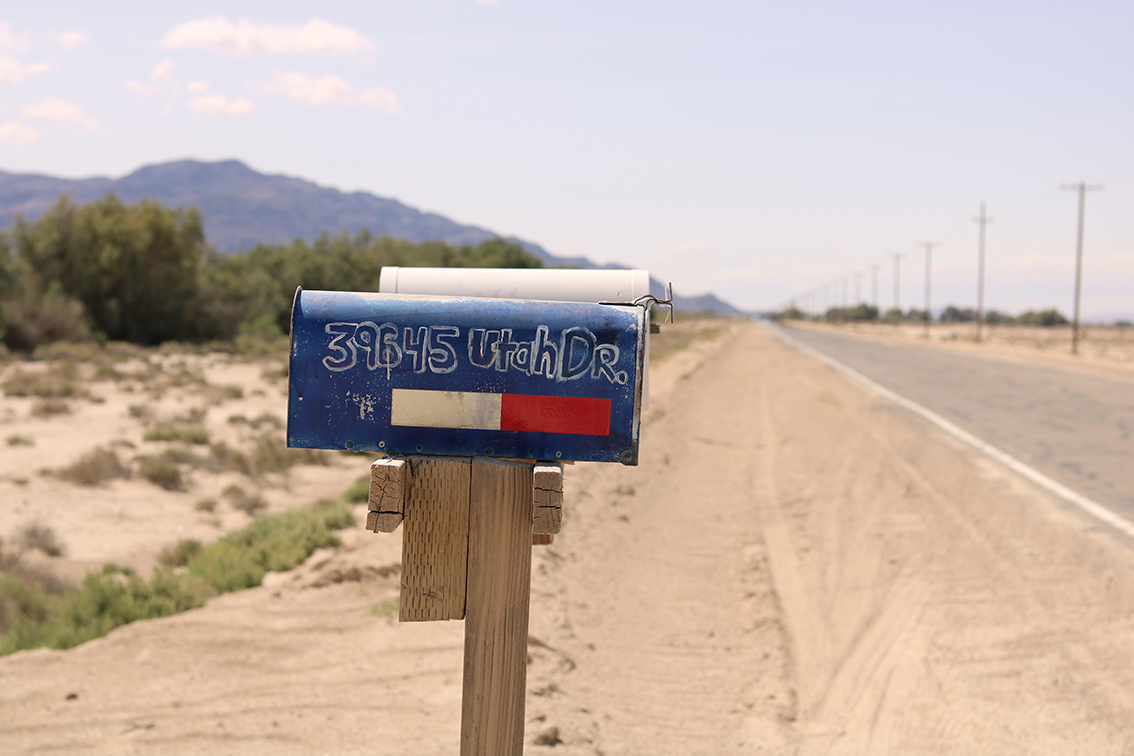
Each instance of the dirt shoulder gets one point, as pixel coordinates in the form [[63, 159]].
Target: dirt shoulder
[[796, 567]]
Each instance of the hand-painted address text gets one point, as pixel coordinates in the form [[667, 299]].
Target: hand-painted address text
[[575, 354]]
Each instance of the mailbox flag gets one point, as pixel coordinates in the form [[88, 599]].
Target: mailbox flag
[[500, 412]]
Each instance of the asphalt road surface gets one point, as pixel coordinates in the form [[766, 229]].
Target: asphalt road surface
[[1075, 426]]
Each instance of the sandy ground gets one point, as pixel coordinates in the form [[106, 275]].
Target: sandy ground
[[796, 567]]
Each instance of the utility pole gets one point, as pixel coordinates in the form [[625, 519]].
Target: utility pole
[[857, 288], [928, 276], [843, 309], [983, 220], [874, 287], [1082, 187], [898, 282]]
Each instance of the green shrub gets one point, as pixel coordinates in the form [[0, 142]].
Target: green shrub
[[179, 555], [33, 614], [194, 434], [359, 491]]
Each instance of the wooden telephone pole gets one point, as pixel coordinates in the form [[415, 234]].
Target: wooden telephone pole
[[983, 220], [1082, 188]]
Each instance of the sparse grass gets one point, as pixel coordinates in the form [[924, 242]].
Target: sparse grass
[[16, 440], [53, 384], [206, 505], [249, 504], [386, 608], [32, 615], [50, 408], [224, 457], [40, 537], [359, 491], [95, 467], [677, 336], [191, 434], [141, 412], [272, 455], [161, 470]]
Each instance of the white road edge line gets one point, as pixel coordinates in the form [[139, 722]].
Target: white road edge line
[[1091, 507]]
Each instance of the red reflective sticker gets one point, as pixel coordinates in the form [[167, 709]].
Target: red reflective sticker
[[582, 416]]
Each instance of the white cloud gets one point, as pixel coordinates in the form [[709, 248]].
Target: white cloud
[[163, 71], [219, 104], [146, 90], [380, 99], [327, 90], [245, 38], [321, 90], [10, 42], [17, 134], [198, 87], [53, 109], [13, 71], [69, 40]]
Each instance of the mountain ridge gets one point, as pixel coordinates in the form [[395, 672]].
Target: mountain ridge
[[242, 207]]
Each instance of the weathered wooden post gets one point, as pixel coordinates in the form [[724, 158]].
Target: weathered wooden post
[[475, 402]]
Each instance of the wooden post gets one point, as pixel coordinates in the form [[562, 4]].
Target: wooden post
[[496, 616]]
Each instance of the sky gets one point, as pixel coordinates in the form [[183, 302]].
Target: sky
[[756, 150]]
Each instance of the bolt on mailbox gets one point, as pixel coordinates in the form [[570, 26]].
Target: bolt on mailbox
[[466, 377]]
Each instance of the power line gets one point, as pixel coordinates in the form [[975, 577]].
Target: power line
[[1082, 188]]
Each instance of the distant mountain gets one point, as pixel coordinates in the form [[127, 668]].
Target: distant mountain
[[242, 207]]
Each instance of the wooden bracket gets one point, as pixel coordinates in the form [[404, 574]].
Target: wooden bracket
[[389, 483], [547, 490]]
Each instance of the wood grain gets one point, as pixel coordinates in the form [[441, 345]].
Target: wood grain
[[496, 623], [547, 490], [435, 540], [389, 483]]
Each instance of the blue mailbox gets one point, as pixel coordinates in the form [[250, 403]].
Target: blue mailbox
[[455, 376]]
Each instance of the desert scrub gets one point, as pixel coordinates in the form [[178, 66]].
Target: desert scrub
[[96, 466], [54, 384], [161, 470], [270, 543], [359, 492], [249, 504], [40, 537], [271, 455], [179, 554], [191, 434], [116, 596], [50, 408], [16, 440]]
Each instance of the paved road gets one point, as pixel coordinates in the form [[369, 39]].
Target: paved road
[[1074, 426]]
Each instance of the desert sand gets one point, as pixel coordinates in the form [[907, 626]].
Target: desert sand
[[796, 567]]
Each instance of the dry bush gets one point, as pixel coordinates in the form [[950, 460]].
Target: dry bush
[[224, 457], [50, 408], [40, 537], [95, 467], [70, 351], [162, 471], [141, 412], [218, 394], [195, 434], [206, 505], [272, 455], [53, 384], [19, 441], [180, 554], [242, 501]]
